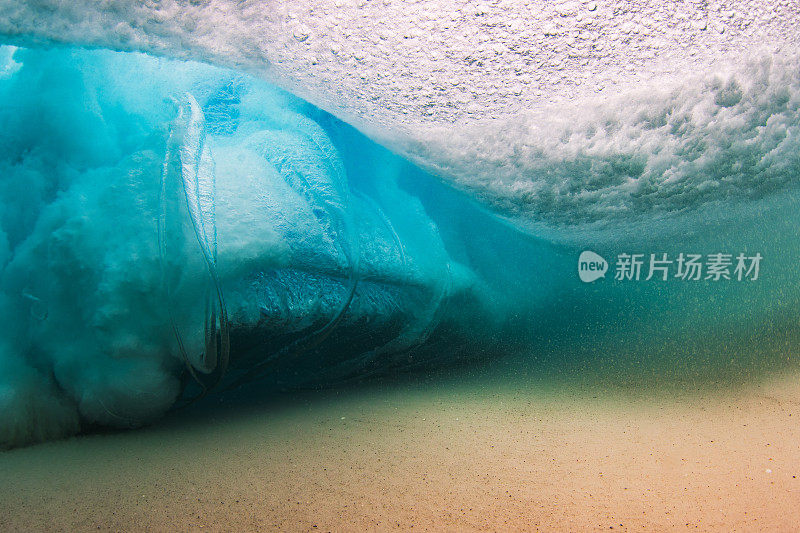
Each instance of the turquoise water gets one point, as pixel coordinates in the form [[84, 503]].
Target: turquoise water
[[172, 231]]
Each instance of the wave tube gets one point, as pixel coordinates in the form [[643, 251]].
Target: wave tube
[[170, 228]]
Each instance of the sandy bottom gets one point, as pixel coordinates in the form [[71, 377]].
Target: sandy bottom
[[431, 458]]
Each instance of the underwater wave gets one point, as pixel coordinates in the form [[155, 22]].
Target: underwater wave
[[169, 228], [563, 117], [172, 228]]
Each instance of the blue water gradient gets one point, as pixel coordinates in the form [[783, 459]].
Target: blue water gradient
[[170, 228]]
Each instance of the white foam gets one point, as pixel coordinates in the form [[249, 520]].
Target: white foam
[[502, 98]]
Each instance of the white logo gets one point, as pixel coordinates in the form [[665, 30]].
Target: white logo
[[591, 266], [662, 267]]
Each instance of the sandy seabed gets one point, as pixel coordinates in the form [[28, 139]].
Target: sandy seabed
[[535, 457]]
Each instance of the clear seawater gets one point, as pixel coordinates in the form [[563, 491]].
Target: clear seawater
[[173, 230], [181, 242]]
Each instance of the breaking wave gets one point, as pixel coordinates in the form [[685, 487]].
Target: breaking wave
[[170, 228]]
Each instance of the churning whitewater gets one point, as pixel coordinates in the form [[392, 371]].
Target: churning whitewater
[[169, 227], [173, 228]]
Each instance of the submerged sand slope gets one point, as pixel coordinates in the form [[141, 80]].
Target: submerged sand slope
[[436, 460]]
